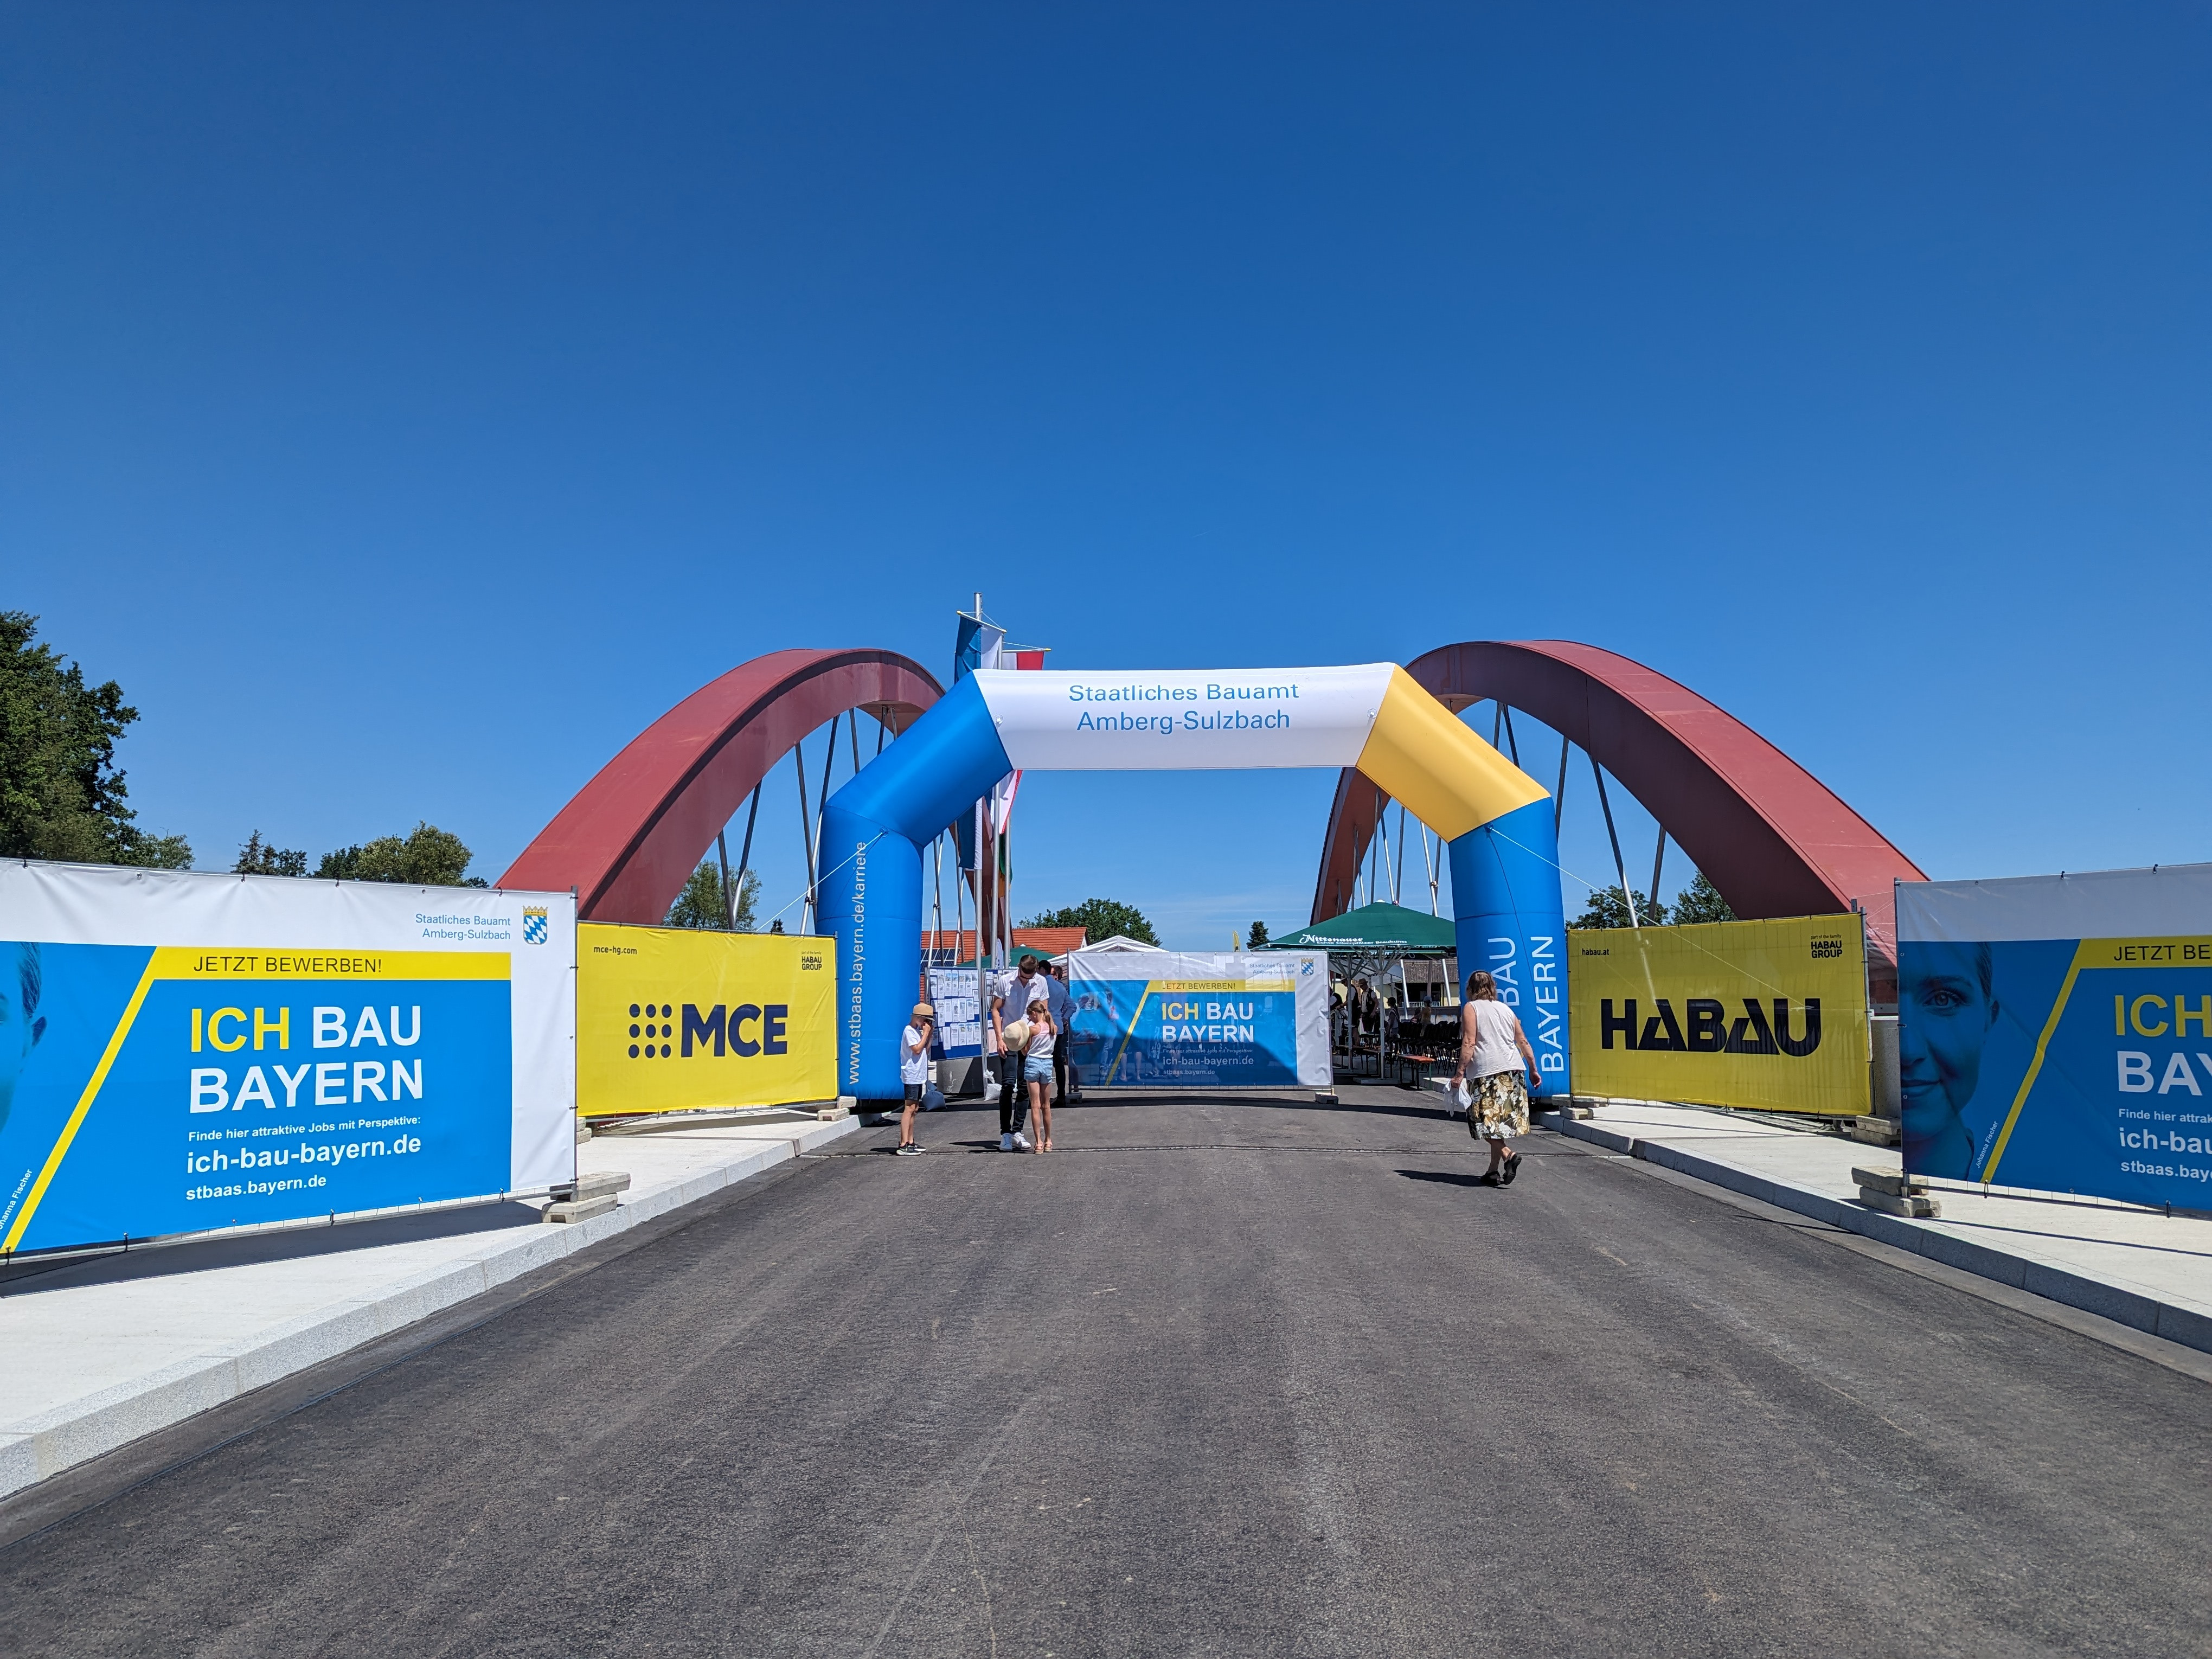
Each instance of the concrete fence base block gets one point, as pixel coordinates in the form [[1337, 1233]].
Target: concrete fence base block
[[1918, 1206], [1895, 1183], [580, 1209], [589, 1187]]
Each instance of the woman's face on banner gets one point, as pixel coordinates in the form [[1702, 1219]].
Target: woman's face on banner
[[1949, 1015]]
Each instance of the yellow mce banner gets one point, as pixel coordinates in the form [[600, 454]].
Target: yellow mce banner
[[670, 1019], [1771, 1015]]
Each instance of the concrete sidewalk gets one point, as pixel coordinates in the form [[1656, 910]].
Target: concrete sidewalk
[[103, 1351], [2144, 1269]]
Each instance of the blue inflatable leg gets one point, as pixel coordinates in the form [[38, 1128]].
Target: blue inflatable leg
[[1507, 913]]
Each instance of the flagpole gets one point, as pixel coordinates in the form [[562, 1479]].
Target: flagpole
[[982, 974]]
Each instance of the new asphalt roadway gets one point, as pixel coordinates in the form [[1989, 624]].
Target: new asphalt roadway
[[1240, 1376]]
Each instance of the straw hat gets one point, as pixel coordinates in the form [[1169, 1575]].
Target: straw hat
[[923, 1011]]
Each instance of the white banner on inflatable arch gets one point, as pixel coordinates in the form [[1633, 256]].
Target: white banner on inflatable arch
[[1163, 1018], [181, 1051], [1174, 720]]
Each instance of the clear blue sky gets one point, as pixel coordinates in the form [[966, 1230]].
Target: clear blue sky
[[409, 404]]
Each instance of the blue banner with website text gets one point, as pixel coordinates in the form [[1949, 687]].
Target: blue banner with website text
[[1154, 1017], [153, 1089]]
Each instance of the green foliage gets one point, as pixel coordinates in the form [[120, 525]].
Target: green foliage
[[259, 858], [427, 857], [155, 852], [1100, 919], [343, 865], [1257, 939], [1609, 908], [700, 904], [60, 794], [1702, 902]]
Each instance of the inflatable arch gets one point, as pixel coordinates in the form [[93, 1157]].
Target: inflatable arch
[[1374, 717]]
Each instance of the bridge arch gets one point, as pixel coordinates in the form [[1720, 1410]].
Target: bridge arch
[[1772, 837], [630, 838]]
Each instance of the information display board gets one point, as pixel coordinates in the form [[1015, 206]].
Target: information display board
[[671, 1019], [181, 1052], [2056, 1032], [1768, 1015], [1157, 1018], [959, 1028]]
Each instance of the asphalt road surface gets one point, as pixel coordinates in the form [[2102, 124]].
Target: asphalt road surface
[[1241, 1377]]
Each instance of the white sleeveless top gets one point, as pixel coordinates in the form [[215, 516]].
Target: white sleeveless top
[[1495, 1050]]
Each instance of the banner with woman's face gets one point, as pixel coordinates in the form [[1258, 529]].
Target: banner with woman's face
[[2056, 1032]]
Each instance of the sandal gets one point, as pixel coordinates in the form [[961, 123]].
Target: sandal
[[1490, 1178], [1509, 1169]]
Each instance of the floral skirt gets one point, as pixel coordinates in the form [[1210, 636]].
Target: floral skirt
[[1497, 1106]]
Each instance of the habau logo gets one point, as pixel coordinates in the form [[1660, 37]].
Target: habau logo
[[656, 1034], [1709, 1031]]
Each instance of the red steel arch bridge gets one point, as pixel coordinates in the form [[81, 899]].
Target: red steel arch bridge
[[1770, 835]]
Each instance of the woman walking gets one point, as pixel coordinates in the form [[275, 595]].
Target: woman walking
[[1498, 1102], [1037, 1069]]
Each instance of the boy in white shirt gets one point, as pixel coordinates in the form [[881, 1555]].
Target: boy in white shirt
[[913, 1071]]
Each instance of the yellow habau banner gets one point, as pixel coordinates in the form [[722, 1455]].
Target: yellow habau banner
[[670, 1019], [1771, 1015]]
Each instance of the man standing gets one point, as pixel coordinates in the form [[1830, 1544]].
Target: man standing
[[1061, 1001], [1008, 1004]]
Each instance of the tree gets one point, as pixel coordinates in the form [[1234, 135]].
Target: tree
[[342, 864], [427, 857], [700, 904], [1257, 939], [1607, 909], [1099, 918], [259, 858], [60, 796], [1702, 902]]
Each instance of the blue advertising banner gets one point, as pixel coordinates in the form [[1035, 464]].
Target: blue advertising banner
[[152, 1088], [309, 1083], [2057, 1032], [1154, 1017]]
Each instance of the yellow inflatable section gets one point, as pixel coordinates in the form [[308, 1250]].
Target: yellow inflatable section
[[1420, 753]]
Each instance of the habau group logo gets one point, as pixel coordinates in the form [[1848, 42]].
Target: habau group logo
[[657, 1033]]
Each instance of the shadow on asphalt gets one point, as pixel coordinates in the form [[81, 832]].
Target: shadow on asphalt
[[1444, 1177], [1414, 1105]]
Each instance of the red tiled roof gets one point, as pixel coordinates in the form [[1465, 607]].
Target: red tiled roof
[[1045, 941]]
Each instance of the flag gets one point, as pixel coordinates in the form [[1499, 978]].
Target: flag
[[980, 645]]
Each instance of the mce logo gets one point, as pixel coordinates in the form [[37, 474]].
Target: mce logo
[[654, 1035]]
